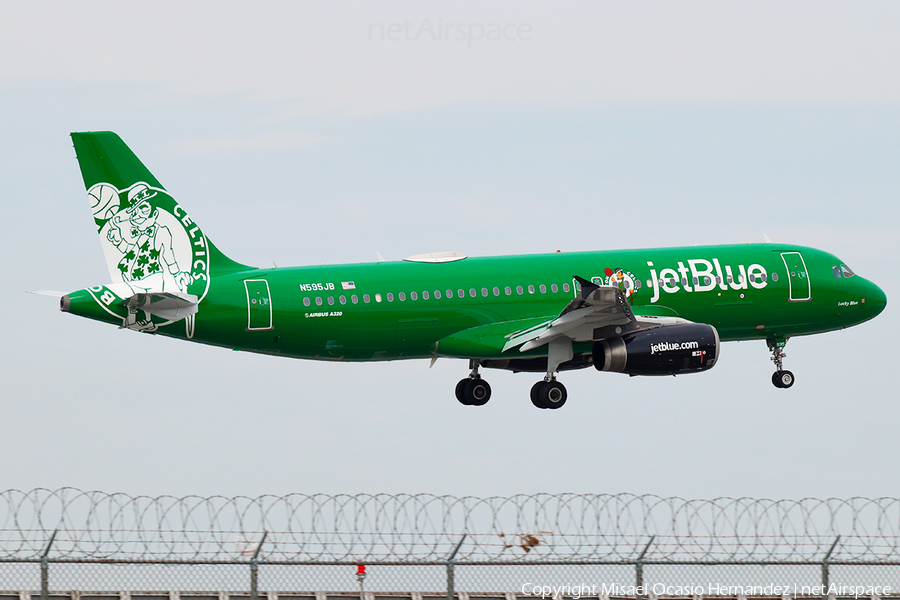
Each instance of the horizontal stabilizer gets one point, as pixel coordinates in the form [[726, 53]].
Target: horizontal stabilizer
[[53, 293], [172, 306]]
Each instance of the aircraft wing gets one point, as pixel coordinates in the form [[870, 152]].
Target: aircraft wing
[[597, 313]]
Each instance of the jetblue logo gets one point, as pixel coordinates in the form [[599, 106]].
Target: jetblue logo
[[701, 275]]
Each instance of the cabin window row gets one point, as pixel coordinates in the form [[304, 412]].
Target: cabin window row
[[520, 290], [437, 294], [706, 280]]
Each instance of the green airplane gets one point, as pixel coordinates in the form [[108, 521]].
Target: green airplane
[[656, 311]]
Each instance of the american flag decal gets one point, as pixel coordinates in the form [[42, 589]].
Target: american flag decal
[[348, 285]]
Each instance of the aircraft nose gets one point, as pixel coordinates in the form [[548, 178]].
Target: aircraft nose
[[874, 298]]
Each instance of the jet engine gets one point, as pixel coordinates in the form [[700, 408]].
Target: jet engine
[[672, 350]]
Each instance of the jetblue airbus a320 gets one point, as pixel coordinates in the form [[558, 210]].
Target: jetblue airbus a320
[[657, 311]]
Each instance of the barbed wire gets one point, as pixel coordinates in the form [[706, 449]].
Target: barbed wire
[[423, 528]]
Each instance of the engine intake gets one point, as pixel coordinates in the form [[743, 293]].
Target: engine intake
[[673, 350]]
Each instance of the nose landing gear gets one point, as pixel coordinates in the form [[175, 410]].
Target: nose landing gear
[[780, 378]]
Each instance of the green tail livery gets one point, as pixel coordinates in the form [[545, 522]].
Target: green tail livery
[[657, 311]]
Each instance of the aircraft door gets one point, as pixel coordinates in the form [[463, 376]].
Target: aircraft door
[[259, 305], [798, 279]]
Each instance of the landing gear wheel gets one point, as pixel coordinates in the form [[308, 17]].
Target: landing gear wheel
[[473, 392], [536, 394], [478, 392], [553, 394], [783, 379], [461, 390]]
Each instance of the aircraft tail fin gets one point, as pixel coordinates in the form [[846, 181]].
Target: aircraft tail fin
[[149, 241]]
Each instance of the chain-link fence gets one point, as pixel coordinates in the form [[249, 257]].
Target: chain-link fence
[[95, 546]]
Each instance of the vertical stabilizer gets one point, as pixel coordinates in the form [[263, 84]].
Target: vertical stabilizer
[[149, 241]]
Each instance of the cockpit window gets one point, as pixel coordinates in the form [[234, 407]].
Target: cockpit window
[[842, 271]]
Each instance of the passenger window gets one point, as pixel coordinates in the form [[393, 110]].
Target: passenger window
[[318, 301], [519, 290], [472, 292], [484, 292], [508, 290], [306, 302], [390, 297], [354, 299], [425, 295], [437, 294], [627, 285], [377, 297], [543, 289], [566, 288], [637, 284], [774, 276], [366, 298], [496, 291], [461, 293], [696, 281], [402, 296], [331, 300], [554, 288], [530, 289], [449, 293], [413, 296]]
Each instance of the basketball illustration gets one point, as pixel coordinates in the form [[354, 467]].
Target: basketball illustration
[[104, 201]]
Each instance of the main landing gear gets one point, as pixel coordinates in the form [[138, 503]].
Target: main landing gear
[[473, 390], [780, 378], [548, 393]]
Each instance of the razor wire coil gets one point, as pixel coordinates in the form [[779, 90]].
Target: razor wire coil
[[424, 529]]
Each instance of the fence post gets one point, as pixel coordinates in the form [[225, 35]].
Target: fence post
[[254, 568], [639, 569], [450, 559], [825, 560], [45, 567]]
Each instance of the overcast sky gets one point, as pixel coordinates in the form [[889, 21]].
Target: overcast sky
[[307, 133]]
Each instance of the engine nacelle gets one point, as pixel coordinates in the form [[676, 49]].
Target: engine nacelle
[[672, 350]]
